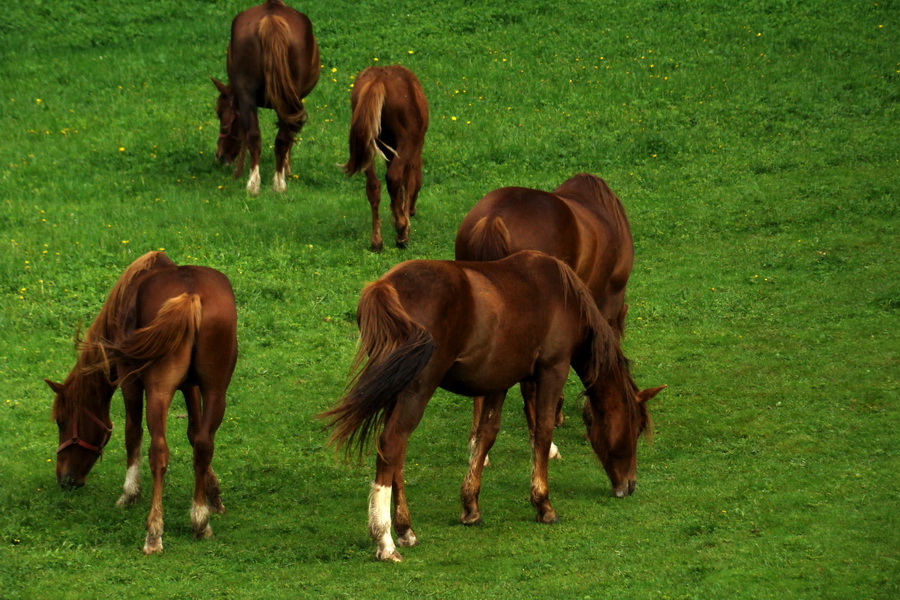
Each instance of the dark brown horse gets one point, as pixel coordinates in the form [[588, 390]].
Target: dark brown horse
[[273, 62], [390, 118], [478, 328], [582, 223], [163, 328]]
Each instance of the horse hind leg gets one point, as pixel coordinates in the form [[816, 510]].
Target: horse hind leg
[[398, 187], [389, 477], [202, 426], [373, 193], [133, 393], [158, 402]]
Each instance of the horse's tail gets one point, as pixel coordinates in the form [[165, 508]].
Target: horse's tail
[[489, 239], [274, 38], [365, 126], [398, 349], [175, 325], [603, 352]]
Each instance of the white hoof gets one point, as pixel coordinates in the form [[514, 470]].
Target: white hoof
[[153, 545], [389, 555]]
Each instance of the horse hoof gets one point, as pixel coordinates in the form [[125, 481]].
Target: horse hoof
[[204, 534], [377, 247], [549, 519], [407, 540], [126, 501], [471, 520], [153, 546], [402, 245], [392, 556]]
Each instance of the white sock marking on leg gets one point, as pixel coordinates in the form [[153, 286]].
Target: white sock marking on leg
[[380, 519], [253, 182]]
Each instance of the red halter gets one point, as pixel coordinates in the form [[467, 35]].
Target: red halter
[[75, 440]]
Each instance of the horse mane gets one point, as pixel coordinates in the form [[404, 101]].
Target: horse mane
[[606, 360], [606, 356], [489, 239], [93, 361], [274, 36]]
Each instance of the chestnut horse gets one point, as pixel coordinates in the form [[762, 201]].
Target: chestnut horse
[[582, 223], [163, 328], [390, 118], [478, 328], [273, 62]]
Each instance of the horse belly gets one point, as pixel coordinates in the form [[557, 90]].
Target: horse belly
[[487, 374]]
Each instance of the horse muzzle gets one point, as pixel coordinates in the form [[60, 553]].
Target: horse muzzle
[[625, 489], [70, 482]]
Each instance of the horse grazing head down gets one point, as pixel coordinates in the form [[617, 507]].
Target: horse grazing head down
[[615, 416], [231, 139], [83, 432]]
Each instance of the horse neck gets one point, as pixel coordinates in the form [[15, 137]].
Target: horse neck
[[614, 390], [91, 390]]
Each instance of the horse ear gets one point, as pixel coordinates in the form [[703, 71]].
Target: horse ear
[[219, 85], [644, 395], [56, 387]]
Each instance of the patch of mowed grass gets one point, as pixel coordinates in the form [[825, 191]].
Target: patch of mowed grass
[[755, 150]]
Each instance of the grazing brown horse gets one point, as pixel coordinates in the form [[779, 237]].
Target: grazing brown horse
[[163, 328], [582, 223], [390, 118], [478, 328], [273, 62]]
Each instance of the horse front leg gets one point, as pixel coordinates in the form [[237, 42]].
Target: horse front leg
[[204, 418], [250, 121], [373, 193], [549, 386], [483, 440], [133, 394], [529, 392], [283, 143], [158, 402]]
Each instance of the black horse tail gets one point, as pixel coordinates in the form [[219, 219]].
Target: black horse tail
[[398, 349], [488, 239]]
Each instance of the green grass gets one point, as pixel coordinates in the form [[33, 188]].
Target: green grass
[[755, 148]]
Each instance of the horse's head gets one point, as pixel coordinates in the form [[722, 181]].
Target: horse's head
[[82, 436], [615, 416], [230, 142]]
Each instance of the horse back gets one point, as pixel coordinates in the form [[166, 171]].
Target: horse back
[[404, 115], [245, 61], [584, 235]]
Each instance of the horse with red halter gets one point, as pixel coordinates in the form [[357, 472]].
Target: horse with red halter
[[163, 328], [478, 328], [582, 223], [390, 118], [273, 62]]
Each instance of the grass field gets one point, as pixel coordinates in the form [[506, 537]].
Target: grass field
[[755, 149]]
